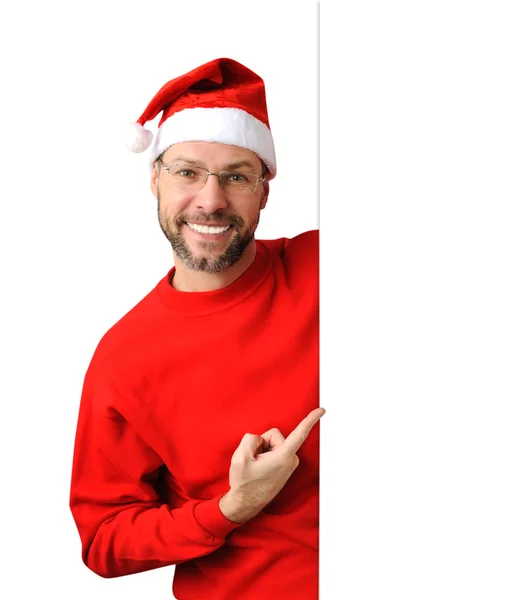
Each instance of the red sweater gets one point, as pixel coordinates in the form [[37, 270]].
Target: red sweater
[[170, 391]]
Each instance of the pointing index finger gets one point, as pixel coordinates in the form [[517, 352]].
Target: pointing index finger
[[294, 441]]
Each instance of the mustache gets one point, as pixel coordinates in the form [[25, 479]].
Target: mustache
[[221, 219]]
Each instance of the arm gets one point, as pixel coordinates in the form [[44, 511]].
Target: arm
[[124, 526]]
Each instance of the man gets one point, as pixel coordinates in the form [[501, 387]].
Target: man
[[197, 442]]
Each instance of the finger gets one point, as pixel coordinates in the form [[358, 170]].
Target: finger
[[272, 438], [299, 435], [249, 445]]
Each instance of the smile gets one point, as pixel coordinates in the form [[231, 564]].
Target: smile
[[208, 229]]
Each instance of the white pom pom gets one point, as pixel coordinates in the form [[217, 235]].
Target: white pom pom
[[136, 138]]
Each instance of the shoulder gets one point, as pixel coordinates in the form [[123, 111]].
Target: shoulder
[[308, 241], [298, 256], [137, 323]]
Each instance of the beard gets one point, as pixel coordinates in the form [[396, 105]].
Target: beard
[[171, 228]]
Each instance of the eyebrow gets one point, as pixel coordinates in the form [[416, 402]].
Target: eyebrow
[[242, 163], [232, 166]]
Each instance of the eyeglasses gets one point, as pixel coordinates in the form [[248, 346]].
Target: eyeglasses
[[194, 178]]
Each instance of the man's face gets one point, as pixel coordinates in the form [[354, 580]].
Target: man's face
[[181, 210]]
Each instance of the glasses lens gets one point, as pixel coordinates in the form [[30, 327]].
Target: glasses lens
[[236, 182], [185, 175]]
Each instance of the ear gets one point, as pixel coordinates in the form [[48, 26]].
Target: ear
[[154, 179], [264, 197]]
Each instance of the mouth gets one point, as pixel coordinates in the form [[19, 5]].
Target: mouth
[[209, 230]]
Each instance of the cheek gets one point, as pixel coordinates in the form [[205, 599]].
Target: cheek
[[253, 214], [173, 203]]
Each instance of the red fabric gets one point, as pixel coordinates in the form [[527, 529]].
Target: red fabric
[[168, 395], [220, 83]]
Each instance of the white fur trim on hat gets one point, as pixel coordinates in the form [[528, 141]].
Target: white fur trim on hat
[[224, 125]]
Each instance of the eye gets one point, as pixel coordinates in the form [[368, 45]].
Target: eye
[[235, 177], [185, 173], [179, 172]]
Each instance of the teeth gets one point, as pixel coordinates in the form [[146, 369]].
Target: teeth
[[206, 229]]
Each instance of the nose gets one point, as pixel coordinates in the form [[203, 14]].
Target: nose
[[211, 197]]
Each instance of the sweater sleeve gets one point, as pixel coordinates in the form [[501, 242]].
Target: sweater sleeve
[[123, 524]]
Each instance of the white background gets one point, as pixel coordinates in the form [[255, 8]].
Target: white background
[[425, 296], [423, 212]]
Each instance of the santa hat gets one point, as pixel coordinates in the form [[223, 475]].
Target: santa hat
[[220, 101]]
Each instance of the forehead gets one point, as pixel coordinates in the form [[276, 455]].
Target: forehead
[[211, 154]]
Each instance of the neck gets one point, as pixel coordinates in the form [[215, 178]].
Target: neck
[[186, 280]]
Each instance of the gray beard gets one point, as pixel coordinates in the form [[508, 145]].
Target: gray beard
[[240, 240]]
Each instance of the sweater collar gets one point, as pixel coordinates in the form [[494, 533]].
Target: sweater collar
[[196, 303]]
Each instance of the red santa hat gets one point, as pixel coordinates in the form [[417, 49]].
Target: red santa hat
[[220, 101]]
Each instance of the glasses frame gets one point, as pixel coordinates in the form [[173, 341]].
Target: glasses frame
[[259, 179]]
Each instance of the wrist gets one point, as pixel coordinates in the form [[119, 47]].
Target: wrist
[[232, 506]]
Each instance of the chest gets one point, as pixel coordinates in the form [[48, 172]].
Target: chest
[[211, 385]]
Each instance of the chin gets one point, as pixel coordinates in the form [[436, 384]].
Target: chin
[[217, 263]]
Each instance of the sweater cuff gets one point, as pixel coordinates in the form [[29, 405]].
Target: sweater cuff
[[210, 517]]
